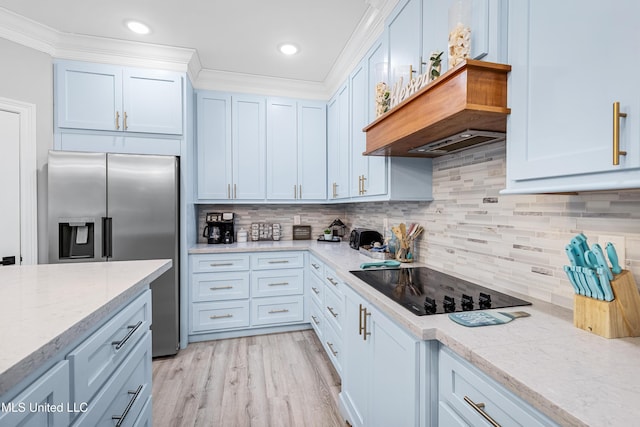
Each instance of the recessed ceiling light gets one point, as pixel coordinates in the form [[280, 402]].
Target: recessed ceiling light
[[138, 27], [288, 48]]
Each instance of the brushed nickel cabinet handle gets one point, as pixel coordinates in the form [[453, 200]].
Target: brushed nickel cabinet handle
[[284, 310], [124, 121], [300, 191], [221, 264], [334, 314], [334, 283], [315, 320], [228, 191], [479, 407], [121, 418], [282, 261], [315, 290], [235, 191], [224, 316], [132, 329], [360, 328], [365, 334], [316, 266], [278, 284], [219, 288], [295, 191], [616, 133], [335, 353]]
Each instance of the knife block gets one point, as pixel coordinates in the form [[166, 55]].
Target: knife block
[[611, 319]]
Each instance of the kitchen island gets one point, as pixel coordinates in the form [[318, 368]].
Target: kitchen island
[[49, 310], [574, 377]]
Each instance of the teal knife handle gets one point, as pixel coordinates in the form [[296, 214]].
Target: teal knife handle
[[613, 258], [605, 284], [572, 280], [601, 260], [592, 279]]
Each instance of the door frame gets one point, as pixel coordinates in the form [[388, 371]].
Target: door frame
[[28, 178]]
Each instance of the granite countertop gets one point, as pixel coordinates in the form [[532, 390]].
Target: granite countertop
[[573, 376], [46, 308]]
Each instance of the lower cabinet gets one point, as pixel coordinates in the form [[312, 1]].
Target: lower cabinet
[[467, 397], [104, 381], [381, 373], [234, 292], [50, 390]]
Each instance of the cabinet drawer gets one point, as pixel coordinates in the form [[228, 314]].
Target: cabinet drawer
[[459, 379], [316, 318], [95, 360], [146, 415], [223, 262], [334, 309], [316, 266], [51, 388], [268, 283], [219, 286], [333, 345], [269, 311], [277, 260], [316, 289], [331, 279], [212, 316], [124, 396]]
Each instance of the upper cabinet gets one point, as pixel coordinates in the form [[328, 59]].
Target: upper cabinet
[[111, 98], [338, 144], [296, 150], [231, 147], [404, 32], [563, 129]]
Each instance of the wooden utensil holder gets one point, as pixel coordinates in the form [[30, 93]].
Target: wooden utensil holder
[[611, 319]]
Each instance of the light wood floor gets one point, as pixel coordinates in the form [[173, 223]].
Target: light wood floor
[[270, 380]]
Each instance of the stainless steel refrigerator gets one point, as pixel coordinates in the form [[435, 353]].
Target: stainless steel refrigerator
[[116, 207]]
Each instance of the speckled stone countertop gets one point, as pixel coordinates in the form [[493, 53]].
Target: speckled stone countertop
[[573, 376], [46, 308]]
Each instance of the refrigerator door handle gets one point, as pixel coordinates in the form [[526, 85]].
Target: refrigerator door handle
[[106, 237]]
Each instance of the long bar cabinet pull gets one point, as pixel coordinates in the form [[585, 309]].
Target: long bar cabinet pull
[[132, 329], [333, 313], [121, 418], [228, 191], [117, 120], [315, 320], [616, 133], [479, 407], [221, 264], [365, 334], [360, 328], [224, 316], [335, 190], [295, 191], [219, 288], [235, 191], [364, 178], [315, 290], [278, 284], [124, 121], [282, 261], [284, 310], [335, 353]]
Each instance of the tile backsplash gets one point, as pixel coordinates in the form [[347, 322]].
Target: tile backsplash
[[511, 242]]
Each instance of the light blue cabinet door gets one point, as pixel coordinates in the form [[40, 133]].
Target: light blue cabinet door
[[356, 367], [249, 147], [312, 150], [338, 144], [282, 150], [88, 96], [358, 84], [404, 29], [152, 101], [377, 166], [214, 145], [571, 61], [393, 392]]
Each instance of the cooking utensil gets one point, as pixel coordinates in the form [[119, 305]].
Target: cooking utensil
[[605, 284], [581, 280], [572, 279], [485, 318], [601, 260], [613, 258], [594, 283]]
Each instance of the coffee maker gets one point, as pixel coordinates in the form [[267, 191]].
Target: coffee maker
[[219, 228]]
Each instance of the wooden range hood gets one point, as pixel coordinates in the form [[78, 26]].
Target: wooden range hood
[[471, 96]]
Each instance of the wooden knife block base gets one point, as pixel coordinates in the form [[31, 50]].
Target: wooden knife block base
[[611, 319]]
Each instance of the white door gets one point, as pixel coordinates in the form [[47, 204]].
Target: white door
[[10, 190]]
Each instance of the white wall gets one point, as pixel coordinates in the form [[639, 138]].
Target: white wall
[[27, 75]]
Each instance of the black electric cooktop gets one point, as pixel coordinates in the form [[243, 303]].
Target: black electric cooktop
[[424, 291]]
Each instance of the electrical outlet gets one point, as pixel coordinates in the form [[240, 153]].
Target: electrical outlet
[[619, 243], [296, 220]]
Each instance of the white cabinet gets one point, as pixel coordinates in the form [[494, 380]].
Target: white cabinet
[[296, 150], [560, 131], [467, 397], [381, 366], [49, 390], [111, 98], [338, 144], [231, 147]]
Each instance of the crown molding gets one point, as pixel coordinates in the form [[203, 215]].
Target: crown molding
[[18, 29], [263, 85]]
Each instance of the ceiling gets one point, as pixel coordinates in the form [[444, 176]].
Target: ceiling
[[238, 36]]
